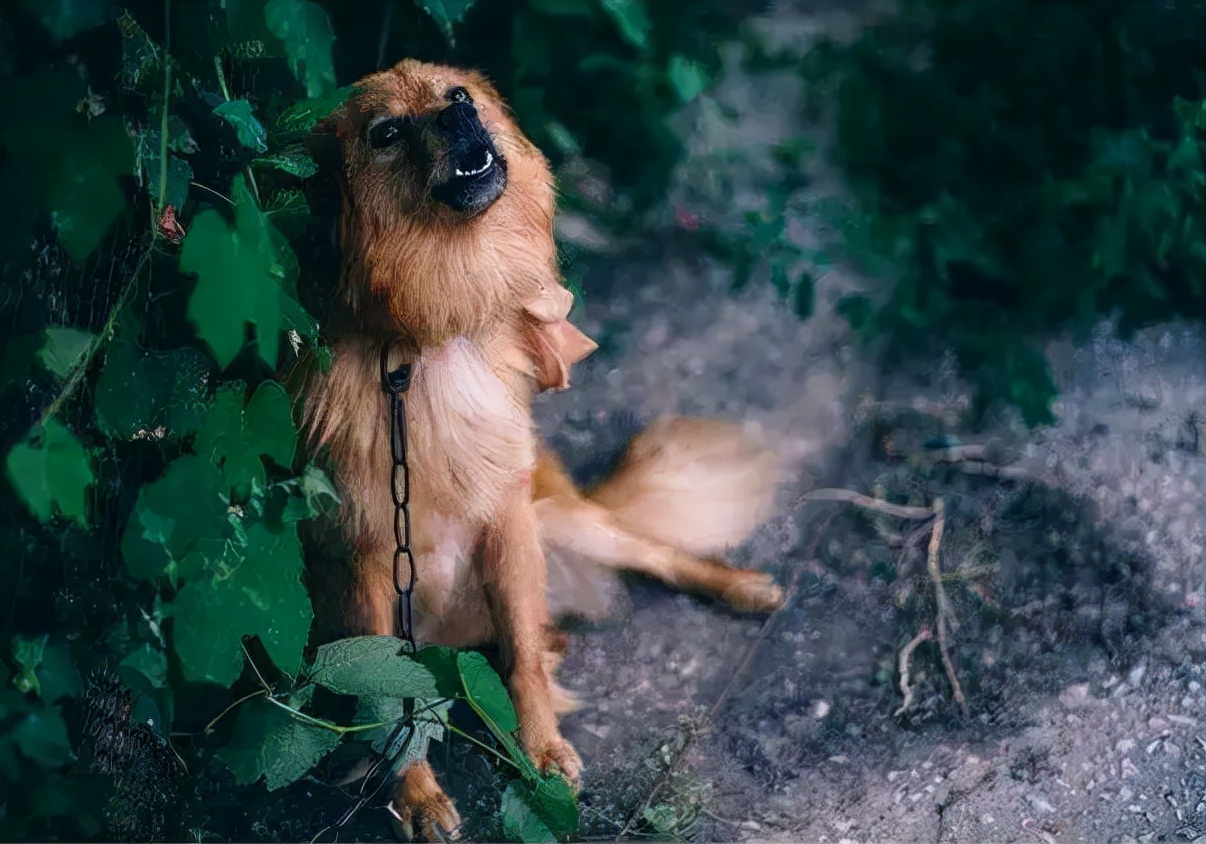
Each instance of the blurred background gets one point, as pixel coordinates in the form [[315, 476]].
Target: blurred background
[[934, 249]]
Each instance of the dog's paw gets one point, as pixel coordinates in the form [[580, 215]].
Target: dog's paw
[[753, 591], [557, 756], [420, 805]]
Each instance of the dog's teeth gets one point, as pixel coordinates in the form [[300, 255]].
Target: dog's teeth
[[479, 170]]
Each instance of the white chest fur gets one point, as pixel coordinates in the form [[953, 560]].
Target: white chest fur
[[471, 441]]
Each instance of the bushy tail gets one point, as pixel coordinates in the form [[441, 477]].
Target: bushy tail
[[685, 490], [698, 485]]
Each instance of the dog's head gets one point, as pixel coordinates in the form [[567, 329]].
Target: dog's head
[[433, 141], [447, 207]]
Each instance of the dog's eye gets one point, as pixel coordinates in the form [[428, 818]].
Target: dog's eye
[[459, 95], [385, 133]]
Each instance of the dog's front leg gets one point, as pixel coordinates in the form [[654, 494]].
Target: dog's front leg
[[514, 573], [418, 802]]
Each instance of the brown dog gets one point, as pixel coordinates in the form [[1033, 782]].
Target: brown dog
[[448, 255]]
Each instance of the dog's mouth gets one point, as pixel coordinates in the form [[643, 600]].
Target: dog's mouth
[[474, 175], [486, 164]]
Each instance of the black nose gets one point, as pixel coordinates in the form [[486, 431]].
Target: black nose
[[459, 118]]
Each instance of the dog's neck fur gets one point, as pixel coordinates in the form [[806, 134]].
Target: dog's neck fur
[[485, 270]]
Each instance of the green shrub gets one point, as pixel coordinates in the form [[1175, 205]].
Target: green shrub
[[1018, 168]]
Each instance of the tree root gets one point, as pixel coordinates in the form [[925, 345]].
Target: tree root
[[944, 616]]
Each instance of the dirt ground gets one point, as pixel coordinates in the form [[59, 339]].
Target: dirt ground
[[1077, 580]]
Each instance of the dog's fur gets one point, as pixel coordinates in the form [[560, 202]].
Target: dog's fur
[[471, 293]]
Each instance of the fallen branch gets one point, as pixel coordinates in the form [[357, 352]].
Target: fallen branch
[[974, 459], [900, 511]]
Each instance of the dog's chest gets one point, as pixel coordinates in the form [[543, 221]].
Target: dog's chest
[[471, 439]]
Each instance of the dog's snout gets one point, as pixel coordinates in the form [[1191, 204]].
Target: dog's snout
[[459, 118]]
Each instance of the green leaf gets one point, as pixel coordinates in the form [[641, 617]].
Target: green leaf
[[287, 205], [237, 438], [180, 138], [151, 662], [632, 20], [179, 174], [305, 115], [140, 56], [688, 77], [250, 131], [317, 489], [86, 202], [57, 674], [27, 653], [41, 735], [293, 160], [85, 195], [486, 693], [543, 809], [446, 13], [301, 498], [261, 596], [184, 511], [520, 820], [371, 665], [268, 742], [153, 394], [51, 471], [400, 740], [304, 28], [441, 661], [64, 348], [243, 275], [857, 310]]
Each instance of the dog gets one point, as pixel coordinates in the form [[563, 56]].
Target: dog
[[449, 263]]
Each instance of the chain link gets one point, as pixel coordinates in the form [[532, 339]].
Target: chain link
[[395, 383]]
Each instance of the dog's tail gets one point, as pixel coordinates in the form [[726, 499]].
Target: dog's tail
[[698, 485], [685, 491]]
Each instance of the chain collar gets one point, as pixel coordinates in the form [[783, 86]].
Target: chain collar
[[395, 382]]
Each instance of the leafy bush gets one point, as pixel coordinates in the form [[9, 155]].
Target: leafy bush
[[162, 261], [1020, 168]]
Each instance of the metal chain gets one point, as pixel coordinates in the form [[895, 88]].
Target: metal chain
[[395, 383]]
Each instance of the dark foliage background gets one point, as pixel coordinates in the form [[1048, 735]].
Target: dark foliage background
[[1012, 170]]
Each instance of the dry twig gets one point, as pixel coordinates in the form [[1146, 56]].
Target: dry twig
[[974, 459], [906, 654], [945, 617], [901, 511]]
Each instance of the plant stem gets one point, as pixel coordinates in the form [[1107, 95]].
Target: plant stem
[[167, 93], [222, 714], [452, 728], [255, 190]]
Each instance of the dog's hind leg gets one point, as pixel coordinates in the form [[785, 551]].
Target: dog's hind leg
[[573, 525], [685, 490]]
